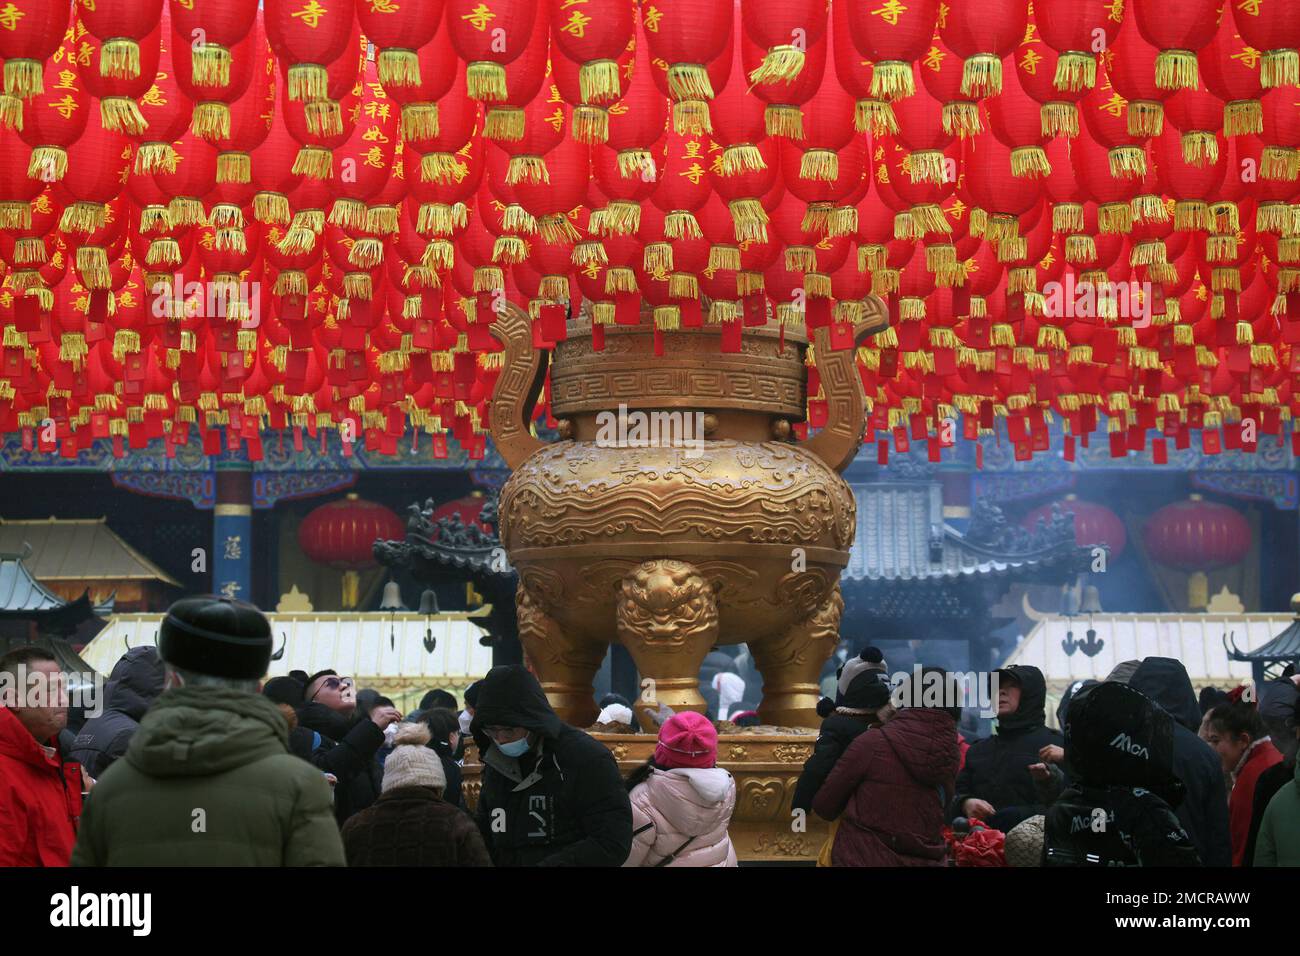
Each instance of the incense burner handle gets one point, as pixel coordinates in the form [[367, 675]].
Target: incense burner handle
[[517, 388]]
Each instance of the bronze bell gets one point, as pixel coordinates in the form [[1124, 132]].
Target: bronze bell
[[428, 607]]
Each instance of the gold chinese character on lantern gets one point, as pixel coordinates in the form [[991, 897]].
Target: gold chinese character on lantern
[[556, 119], [941, 21], [67, 80], [1029, 62], [1115, 11], [10, 15], [577, 25], [652, 17], [1248, 56], [66, 106], [1115, 106], [375, 158], [1249, 7], [374, 135], [479, 17], [383, 6], [694, 172], [154, 97], [311, 14], [934, 59], [85, 54], [890, 12]]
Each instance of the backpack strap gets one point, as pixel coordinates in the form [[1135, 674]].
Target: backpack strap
[[672, 856]]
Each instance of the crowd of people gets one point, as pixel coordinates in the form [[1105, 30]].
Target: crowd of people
[[195, 760]]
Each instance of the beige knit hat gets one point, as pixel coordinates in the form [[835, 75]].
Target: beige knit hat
[[412, 763]]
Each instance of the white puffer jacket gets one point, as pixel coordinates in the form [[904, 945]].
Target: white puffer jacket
[[675, 805]]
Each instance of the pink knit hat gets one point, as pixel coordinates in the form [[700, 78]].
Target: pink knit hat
[[687, 739]]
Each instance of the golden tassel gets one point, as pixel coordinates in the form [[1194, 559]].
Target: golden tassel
[[419, 121], [30, 250], [211, 121], [683, 285], [80, 217], [981, 76], [603, 313], [163, 252], [314, 163], [782, 63], [1242, 117], [927, 166], [11, 113], [530, 169], [820, 164], [348, 213], [290, 282], [657, 257], [668, 317], [622, 218], [689, 81], [1225, 215], [1051, 337], [816, 218], [723, 311], [1056, 118], [1075, 72], [557, 230], [186, 211], [742, 158], [1148, 252], [1145, 118], [784, 121], [619, 280], [382, 220], [1279, 68], [1272, 217], [234, 168], [48, 163], [927, 219], [488, 278], [439, 254], [905, 228], [1012, 249], [125, 342], [271, 209], [210, 65], [504, 123], [589, 251], [1022, 279], [554, 287], [24, 79], [1280, 163], [1200, 148], [398, 67], [1002, 336], [1067, 217], [817, 285], [308, 82], [1228, 277], [961, 118], [1192, 214], [843, 221], [892, 80], [122, 114], [1176, 70], [366, 253], [590, 124], [636, 164], [726, 258], [598, 81], [232, 239], [691, 118], [1127, 162], [509, 249], [871, 258], [1220, 248], [800, 259], [324, 118], [875, 117], [680, 224], [979, 308], [911, 308], [1149, 208], [1114, 217], [750, 219]]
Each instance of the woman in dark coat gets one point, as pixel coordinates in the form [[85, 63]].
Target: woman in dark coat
[[891, 786]]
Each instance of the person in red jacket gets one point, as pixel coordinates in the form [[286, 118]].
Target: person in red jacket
[[1236, 732], [893, 784], [40, 793]]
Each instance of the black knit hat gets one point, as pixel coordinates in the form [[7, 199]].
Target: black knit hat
[[216, 636], [284, 690], [869, 691]]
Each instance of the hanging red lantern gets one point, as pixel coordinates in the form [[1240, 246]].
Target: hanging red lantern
[[342, 535], [1231, 70], [1177, 31], [1132, 72], [211, 31], [891, 36], [941, 73], [54, 120], [633, 131], [1015, 119], [119, 95], [120, 25], [785, 31], [307, 39], [784, 113], [32, 31], [689, 35], [1197, 536], [596, 35], [871, 115], [102, 158], [1072, 28], [399, 30], [489, 37], [1271, 27], [1198, 116], [590, 120], [983, 32], [1003, 198], [525, 75]]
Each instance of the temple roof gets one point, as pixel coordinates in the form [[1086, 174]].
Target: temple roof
[[902, 537], [1284, 647], [22, 597], [83, 549]]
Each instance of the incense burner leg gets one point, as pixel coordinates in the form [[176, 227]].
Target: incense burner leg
[[668, 620], [565, 665], [791, 664]]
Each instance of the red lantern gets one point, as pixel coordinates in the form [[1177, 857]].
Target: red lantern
[[595, 34], [211, 30], [1197, 536], [167, 111], [688, 35], [488, 36], [1094, 524], [53, 120], [784, 30], [118, 95], [31, 31], [983, 32], [120, 25], [1272, 27], [1132, 72], [1071, 27], [399, 30], [1177, 31], [309, 38], [342, 534], [891, 36]]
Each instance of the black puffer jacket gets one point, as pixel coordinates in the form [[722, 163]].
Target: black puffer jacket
[[347, 750], [1204, 810], [837, 732], [1119, 750], [563, 803], [135, 683], [997, 768]]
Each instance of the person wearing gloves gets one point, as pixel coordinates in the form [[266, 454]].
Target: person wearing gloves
[[410, 824], [1118, 807], [681, 800], [551, 795], [997, 785], [208, 779]]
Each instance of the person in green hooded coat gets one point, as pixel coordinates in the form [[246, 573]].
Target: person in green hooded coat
[[208, 779]]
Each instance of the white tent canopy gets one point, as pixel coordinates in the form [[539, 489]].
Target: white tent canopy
[[1194, 639], [350, 643]]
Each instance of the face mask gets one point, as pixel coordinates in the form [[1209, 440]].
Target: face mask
[[390, 732], [516, 748], [464, 719]]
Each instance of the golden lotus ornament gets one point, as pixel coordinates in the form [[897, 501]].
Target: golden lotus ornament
[[734, 536]]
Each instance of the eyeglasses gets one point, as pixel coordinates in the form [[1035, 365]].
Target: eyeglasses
[[332, 683]]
